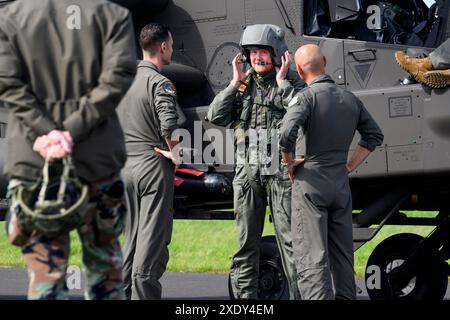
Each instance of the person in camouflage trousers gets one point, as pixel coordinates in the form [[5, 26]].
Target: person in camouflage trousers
[[102, 257], [62, 99]]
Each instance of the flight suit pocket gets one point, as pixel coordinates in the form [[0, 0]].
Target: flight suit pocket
[[239, 191], [240, 188]]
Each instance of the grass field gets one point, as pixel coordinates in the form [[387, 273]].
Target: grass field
[[207, 246]]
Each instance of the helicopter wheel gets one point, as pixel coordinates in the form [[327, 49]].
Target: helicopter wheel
[[272, 282], [430, 283]]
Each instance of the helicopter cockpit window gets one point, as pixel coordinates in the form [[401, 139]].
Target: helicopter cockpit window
[[407, 22]]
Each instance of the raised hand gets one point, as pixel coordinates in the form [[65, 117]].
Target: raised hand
[[282, 71], [238, 74]]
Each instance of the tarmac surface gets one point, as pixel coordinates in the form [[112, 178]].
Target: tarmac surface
[[176, 286]]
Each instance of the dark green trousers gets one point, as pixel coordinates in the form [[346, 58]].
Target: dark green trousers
[[250, 210], [322, 233], [148, 228]]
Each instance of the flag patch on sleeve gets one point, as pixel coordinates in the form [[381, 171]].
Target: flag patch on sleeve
[[169, 88]]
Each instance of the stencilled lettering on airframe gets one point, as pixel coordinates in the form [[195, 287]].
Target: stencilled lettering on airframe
[[400, 107], [406, 155]]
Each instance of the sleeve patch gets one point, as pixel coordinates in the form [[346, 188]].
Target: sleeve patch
[[169, 88]]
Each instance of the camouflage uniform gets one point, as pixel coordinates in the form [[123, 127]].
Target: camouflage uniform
[[47, 258], [73, 83], [260, 105]]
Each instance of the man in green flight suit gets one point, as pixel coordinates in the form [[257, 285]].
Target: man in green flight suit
[[148, 114], [254, 103], [321, 123]]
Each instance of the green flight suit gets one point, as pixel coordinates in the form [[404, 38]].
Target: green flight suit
[[321, 198], [148, 115], [255, 110]]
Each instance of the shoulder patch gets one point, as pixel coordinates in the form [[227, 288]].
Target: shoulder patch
[[169, 88]]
